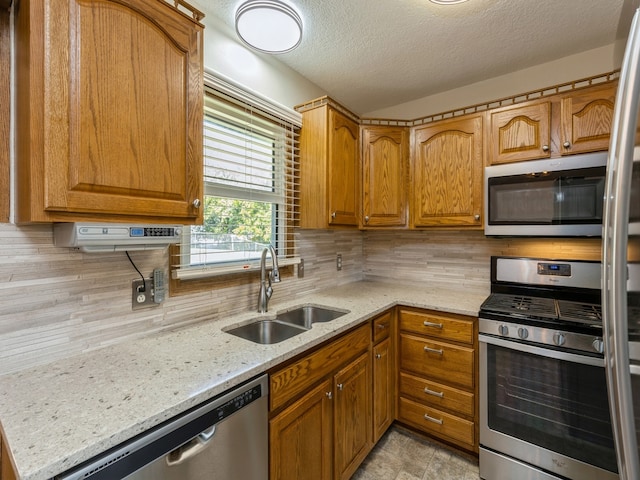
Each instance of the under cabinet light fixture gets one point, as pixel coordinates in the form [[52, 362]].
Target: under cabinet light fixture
[[270, 26]]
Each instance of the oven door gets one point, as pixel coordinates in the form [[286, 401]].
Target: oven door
[[543, 410]]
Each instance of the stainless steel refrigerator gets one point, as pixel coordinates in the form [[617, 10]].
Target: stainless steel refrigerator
[[620, 267]]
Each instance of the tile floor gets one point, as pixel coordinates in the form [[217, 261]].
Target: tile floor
[[404, 455]]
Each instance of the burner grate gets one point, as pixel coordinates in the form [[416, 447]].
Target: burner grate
[[580, 312], [521, 305]]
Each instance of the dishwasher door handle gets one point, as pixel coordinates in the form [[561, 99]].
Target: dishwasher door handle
[[190, 449]]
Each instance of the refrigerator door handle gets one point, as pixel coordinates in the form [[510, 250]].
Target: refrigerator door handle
[[614, 261]]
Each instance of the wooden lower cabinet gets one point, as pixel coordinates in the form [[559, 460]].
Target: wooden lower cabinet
[[6, 469], [301, 437], [352, 416], [321, 421], [384, 372], [438, 386]]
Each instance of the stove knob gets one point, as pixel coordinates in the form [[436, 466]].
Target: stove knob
[[598, 345], [559, 338], [503, 330], [523, 333]]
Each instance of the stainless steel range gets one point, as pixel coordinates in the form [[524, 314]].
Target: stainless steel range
[[544, 411]]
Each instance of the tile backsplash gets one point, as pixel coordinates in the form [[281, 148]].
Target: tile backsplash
[[57, 302]]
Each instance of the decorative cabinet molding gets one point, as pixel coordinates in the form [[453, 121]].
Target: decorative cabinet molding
[[109, 111], [446, 173], [385, 166]]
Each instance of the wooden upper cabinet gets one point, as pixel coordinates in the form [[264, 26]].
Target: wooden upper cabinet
[[385, 165], [521, 132], [109, 111], [446, 174], [329, 168], [587, 118], [344, 178]]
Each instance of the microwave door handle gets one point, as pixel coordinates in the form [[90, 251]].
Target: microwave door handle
[[614, 257]]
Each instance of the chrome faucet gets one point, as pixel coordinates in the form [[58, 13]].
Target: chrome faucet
[[274, 276]]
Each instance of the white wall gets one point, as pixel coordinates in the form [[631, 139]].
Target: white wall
[[227, 57], [575, 67]]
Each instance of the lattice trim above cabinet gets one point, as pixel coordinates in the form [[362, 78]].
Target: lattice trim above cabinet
[[502, 102]]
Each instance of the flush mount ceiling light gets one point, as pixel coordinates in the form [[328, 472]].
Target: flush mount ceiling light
[[270, 26], [447, 2]]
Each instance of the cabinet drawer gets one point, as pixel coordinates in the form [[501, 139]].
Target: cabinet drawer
[[436, 422], [450, 327], [437, 395], [292, 380], [382, 326], [437, 360]]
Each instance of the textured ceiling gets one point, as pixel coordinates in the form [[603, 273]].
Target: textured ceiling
[[372, 54]]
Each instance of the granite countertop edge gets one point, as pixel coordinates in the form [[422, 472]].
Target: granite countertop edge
[[57, 416]]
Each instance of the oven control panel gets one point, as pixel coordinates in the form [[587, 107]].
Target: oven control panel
[[556, 269]]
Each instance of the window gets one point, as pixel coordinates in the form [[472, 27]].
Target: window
[[250, 181]]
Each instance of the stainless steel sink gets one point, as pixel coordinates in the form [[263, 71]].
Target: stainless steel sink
[[309, 314], [285, 324]]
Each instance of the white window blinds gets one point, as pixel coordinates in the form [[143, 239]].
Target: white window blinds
[[250, 156]]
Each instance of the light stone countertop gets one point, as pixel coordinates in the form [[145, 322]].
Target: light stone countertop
[[61, 414]]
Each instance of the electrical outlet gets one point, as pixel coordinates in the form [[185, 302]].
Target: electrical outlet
[[301, 268], [141, 296], [339, 262]]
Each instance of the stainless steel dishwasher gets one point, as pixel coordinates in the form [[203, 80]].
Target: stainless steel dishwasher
[[224, 438]]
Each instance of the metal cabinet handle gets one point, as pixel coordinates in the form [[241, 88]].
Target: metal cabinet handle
[[196, 203], [340, 386], [329, 395], [333, 214], [378, 356], [366, 219], [545, 148], [566, 144], [433, 350], [382, 326], [434, 420], [431, 324], [476, 217], [433, 392]]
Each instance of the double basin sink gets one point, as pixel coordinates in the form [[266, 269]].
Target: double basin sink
[[284, 325]]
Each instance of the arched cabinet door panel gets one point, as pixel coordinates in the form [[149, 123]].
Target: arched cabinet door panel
[[109, 111]]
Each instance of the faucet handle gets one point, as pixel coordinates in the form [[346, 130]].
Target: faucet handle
[[275, 275]]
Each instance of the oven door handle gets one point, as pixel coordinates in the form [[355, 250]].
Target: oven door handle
[[544, 352]]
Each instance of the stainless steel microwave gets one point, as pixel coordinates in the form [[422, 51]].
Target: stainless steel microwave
[[558, 197]]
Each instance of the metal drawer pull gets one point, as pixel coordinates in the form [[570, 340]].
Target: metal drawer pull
[[382, 325], [340, 386], [378, 356], [431, 324], [434, 420], [434, 350], [434, 393]]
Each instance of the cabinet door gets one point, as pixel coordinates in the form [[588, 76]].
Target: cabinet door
[[384, 171], [446, 174], [352, 413], [343, 189], [520, 133], [300, 438], [109, 111], [587, 118], [383, 388]]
